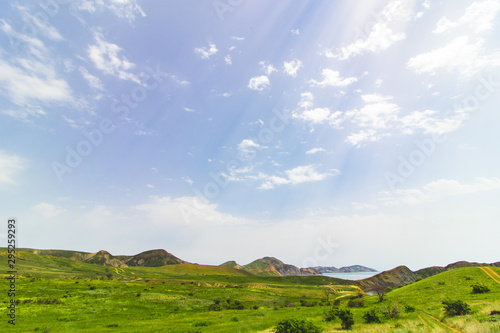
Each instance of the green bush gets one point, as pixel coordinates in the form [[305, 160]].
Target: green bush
[[347, 318], [356, 303], [371, 316], [391, 310], [456, 308], [479, 288], [331, 314], [409, 308], [297, 326]]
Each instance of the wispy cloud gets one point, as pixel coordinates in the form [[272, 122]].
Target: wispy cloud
[[106, 57], [458, 56], [206, 52], [478, 16], [315, 150], [267, 68], [9, 165], [437, 190], [92, 80], [298, 175], [47, 210], [125, 9], [382, 33]]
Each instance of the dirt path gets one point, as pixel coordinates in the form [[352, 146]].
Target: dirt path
[[439, 322], [491, 273]]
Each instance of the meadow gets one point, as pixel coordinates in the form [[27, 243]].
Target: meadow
[[57, 294]]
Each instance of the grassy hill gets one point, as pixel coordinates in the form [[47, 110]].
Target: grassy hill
[[57, 294]]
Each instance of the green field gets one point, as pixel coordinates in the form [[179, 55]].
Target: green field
[[60, 295]]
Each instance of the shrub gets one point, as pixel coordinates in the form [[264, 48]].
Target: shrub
[[356, 303], [391, 310], [308, 304], [330, 314], [409, 308], [347, 318], [479, 288], [419, 279], [456, 308], [371, 316], [297, 326], [494, 312]]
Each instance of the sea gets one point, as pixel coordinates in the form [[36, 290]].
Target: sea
[[351, 276]]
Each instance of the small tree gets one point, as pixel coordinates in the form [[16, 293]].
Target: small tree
[[297, 326], [381, 291], [347, 318], [456, 308]]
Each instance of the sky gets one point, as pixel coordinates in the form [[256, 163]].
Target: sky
[[322, 133]]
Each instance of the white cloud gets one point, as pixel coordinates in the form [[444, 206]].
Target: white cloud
[[47, 210], [459, 56], [437, 190], [42, 27], [295, 32], [315, 150], [188, 109], [381, 35], [9, 166], [292, 67], [376, 113], [298, 175], [357, 138], [228, 60], [167, 212], [92, 80], [315, 115], [125, 9], [259, 83], [205, 52], [238, 38], [247, 145], [105, 57], [25, 114], [332, 78], [478, 16], [188, 180], [267, 68]]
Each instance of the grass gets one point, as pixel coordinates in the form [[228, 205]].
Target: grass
[[60, 295]]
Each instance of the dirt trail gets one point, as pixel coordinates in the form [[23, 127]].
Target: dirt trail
[[491, 273], [439, 322]]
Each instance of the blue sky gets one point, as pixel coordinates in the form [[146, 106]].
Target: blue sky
[[321, 133]]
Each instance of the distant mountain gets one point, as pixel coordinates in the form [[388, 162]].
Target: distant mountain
[[400, 275], [348, 269], [151, 258], [269, 266], [433, 270]]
